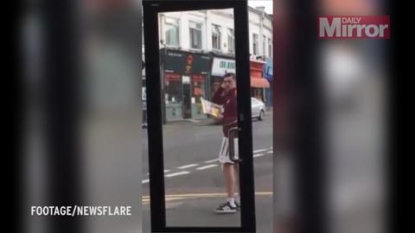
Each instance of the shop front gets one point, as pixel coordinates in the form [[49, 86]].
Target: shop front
[[185, 78], [220, 66], [258, 83]]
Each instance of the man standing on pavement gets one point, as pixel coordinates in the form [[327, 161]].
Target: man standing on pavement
[[226, 96]]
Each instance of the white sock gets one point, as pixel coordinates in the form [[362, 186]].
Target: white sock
[[232, 201]]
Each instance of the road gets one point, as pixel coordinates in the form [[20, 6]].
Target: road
[[193, 179]]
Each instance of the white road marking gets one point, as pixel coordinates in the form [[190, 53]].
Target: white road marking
[[206, 167], [188, 166], [145, 181], [211, 161], [178, 174]]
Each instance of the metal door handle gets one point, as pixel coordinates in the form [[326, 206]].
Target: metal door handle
[[232, 132]]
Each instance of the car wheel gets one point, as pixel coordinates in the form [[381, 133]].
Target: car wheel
[[261, 115]]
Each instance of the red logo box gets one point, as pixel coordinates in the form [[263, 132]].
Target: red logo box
[[354, 27]]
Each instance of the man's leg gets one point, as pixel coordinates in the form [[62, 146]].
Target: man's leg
[[230, 180]]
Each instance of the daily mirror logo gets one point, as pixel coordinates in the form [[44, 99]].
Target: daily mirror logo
[[354, 27]]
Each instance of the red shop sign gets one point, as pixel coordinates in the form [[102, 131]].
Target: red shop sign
[[198, 78], [172, 77]]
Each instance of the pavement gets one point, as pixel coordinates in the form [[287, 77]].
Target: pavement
[[198, 211]]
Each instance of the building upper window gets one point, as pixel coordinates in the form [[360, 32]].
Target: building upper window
[[216, 37], [255, 44], [264, 46], [269, 47], [172, 31], [195, 35], [231, 40]]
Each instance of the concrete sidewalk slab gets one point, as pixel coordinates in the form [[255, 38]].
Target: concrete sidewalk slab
[[199, 212]]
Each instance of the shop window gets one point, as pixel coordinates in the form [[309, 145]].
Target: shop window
[[257, 93], [199, 87], [174, 91], [215, 85]]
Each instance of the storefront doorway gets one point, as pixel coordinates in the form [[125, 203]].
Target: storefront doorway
[[187, 98]]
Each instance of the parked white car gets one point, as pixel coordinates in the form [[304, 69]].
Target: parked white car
[[257, 108]]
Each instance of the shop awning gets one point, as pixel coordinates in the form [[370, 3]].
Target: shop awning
[[259, 83]]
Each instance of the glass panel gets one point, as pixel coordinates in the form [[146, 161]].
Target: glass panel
[[231, 40], [194, 180], [171, 28], [195, 35], [255, 44], [195, 183]]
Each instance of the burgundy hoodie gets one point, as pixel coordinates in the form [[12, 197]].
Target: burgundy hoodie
[[229, 102]]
